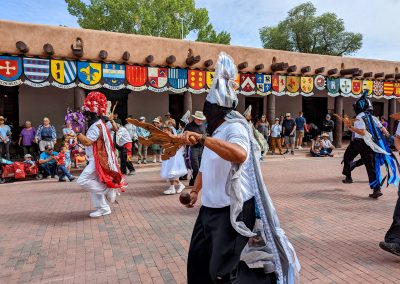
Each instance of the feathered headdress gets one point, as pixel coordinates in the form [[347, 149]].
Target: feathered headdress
[[76, 119]]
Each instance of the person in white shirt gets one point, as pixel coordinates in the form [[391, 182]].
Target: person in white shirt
[[276, 131], [327, 146], [392, 238], [231, 182], [363, 144]]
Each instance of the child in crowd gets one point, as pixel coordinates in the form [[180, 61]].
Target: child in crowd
[[28, 161], [67, 156], [61, 162]]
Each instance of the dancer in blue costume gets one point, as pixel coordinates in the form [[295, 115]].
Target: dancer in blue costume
[[370, 143]]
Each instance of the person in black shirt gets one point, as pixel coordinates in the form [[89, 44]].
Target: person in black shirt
[[289, 130], [197, 125], [327, 126]]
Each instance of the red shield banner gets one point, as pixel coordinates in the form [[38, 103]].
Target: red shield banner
[[197, 79], [247, 82], [388, 88], [136, 75], [356, 87]]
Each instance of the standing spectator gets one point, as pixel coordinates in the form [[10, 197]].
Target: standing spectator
[[169, 120], [197, 126], [142, 151], [123, 143], [276, 130], [46, 135], [327, 146], [27, 138], [47, 162], [327, 126], [262, 126], [5, 134], [289, 132], [156, 148], [132, 132], [384, 122], [300, 123], [281, 119]]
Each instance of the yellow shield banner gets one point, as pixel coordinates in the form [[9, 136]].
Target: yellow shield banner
[[368, 85], [209, 78], [292, 85], [306, 85], [397, 90]]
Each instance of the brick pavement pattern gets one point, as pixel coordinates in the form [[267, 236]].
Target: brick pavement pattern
[[46, 235]]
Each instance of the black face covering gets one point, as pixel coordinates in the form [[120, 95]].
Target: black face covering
[[215, 115], [91, 118]]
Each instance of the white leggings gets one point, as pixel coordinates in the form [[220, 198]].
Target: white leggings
[[89, 181]]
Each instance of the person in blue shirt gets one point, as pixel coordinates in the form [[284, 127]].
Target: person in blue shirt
[[47, 162], [300, 123], [5, 134]]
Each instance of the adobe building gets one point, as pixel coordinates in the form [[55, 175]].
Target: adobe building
[[272, 81]]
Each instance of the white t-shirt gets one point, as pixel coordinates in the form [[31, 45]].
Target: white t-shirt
[[326, 143], [92, 134], [360, 124], [215, 170], [398, 130]]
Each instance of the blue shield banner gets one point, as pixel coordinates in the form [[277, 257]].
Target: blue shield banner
[[264, 83], [10, 68], [177, 79], [113, 75], [36, 70]]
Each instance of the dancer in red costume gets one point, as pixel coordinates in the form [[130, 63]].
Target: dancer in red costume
[[102, 176]]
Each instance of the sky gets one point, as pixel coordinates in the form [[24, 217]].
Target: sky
[[376, 20]]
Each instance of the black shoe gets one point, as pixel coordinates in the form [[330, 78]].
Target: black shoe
[[72, 178], [376, 194], [287, 152], [292, 152], [53, 177], [61, 180], [347, 180], [393, 248]]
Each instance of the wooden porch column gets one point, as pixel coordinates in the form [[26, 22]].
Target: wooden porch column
[[79, 97], [391, 110], [187, 102], [338, 132], [271, 108]]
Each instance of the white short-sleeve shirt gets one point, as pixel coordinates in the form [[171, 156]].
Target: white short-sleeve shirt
[[360, 124], [92, 134], [215, 170], [398, 130]]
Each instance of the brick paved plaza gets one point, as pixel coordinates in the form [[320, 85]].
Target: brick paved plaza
[[46, 235]]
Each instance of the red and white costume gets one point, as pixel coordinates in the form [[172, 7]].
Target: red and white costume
[[102, 174]]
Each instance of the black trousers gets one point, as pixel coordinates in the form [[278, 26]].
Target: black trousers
[[215, 248], [356, 147], [195, 161], [123, 155], [5, 150], [393, 234]]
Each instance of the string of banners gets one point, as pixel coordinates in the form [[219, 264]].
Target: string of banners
[[65, 74]]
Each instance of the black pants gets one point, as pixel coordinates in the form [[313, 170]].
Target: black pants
[[123, 155], [215, 248], [195, 161], [358, 146], [29, 150], [5, 150], [393, 234]]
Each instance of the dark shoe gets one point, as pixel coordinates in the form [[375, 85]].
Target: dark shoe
[[61, 180], [393, 248], [131, 173], [72, 178], [292, 152], [53, 176], [287, 152], [376, 194], [347, 180]]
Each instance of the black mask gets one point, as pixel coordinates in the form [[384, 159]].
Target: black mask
[[91, 118], [215, 115]]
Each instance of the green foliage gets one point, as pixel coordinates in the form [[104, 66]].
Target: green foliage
[[303, 31], [146, 17]]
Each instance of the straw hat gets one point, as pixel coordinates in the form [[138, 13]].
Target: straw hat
[[325, 135], [156, 120], [199, 115]]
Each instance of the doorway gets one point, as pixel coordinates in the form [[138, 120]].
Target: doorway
[[119, 97], [257, 106], [9, 108], [175, 107], [315, 110], [379, 108]]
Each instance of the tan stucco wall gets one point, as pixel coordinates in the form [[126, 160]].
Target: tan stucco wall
[[35, 36], [36, 103]]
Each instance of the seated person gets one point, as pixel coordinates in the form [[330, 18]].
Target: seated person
[[47, 162], [327, 146], [61, 162], [28, 161], [316, 146]]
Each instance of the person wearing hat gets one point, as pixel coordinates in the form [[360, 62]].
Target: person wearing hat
[[327, 146], [5, 134], [156, 148], [276, 130], [197, 126], [142, 149], [328, 125], [102, 176], [28, 161], [232, 186], [289, 133], [370, 144], [169, 120]]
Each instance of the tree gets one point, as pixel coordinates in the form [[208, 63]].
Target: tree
[[303, 31], [147, 17]]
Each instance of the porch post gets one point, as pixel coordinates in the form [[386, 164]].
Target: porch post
[[391, 110], [187, 102], [271, 108], [79, 97], [338, 133]]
